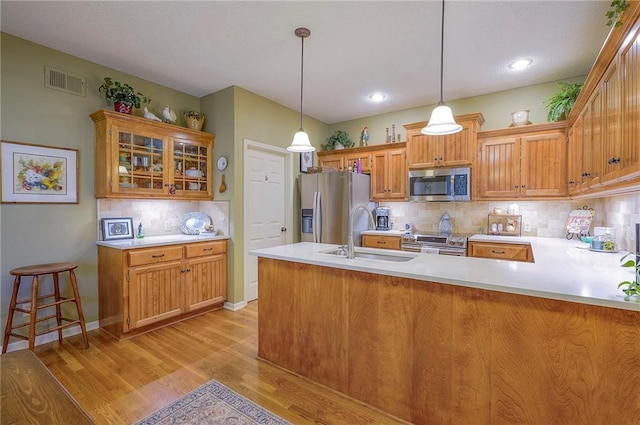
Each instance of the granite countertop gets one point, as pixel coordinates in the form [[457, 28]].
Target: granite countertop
[[564, 269], [149, 241]]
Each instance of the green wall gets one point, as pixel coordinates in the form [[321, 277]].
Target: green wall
[[237, 115], [495, 107], [31, 113]]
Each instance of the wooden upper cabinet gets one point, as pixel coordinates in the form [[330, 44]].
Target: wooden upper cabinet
[[139, 158], [389, 175], [574, 163], [528, 161], [332, 161], [630, 68], [544, 164], [499, 167], [612, 123], [451, 150]]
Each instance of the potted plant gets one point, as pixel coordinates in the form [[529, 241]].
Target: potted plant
[[631, 288], [338, 140], [123, 96], [560, 104]]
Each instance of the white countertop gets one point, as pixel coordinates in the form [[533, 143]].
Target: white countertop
[[149, 241], [563, 270]]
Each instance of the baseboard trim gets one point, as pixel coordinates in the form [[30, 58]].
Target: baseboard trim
[[234, 307], [52, 336]]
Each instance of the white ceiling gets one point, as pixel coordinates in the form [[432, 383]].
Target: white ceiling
[[355, 48]]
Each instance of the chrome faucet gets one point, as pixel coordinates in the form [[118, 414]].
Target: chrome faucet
[[350, 248]]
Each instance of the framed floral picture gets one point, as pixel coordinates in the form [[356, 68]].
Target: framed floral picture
[[37, 174], [306, 161], [117, 228]]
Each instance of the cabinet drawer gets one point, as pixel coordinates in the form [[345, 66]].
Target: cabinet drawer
[[384, 242], [502, 251], [205, 248], [140, 257]]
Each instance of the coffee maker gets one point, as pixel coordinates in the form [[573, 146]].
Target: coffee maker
[[382, 218]]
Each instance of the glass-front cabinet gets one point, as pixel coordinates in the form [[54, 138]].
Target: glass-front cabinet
[[140, 158]]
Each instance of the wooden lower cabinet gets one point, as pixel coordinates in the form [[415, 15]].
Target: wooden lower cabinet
[[144, 288], [441, 354], [381, 241], [500, 251]]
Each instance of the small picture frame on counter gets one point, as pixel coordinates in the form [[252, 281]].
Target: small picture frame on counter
[[116, 228]]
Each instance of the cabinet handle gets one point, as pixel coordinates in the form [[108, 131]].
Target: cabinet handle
[[493, 251], [207, 249], [381, 243], [157, 256], [571, 182], [523, 186], [516, 186]]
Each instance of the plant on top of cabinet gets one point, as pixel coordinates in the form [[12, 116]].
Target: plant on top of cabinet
[[616, 9], [123, 96], [338, 140], [560, 104]]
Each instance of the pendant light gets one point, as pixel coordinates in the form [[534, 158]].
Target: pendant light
[[441, 121], [301, 141]]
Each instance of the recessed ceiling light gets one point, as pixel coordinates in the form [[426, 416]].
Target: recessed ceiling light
[[378, 97], [520, 64]]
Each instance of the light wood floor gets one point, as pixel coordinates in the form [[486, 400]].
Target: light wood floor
[[120, 382]]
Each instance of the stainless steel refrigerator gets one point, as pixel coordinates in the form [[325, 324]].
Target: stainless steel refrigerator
[[326, 200]]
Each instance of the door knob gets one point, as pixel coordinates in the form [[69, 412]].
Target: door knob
[[283, 229]]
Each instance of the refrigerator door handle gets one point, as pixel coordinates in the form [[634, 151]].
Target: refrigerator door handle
[[317, 220]]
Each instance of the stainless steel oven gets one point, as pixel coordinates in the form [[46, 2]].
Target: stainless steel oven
[[435, 244]]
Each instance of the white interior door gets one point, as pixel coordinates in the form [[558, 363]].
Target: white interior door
[[267, 183]]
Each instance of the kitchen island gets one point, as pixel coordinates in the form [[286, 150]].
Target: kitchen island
[[455, 340]]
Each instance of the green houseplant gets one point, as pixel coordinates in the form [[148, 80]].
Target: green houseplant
[[338, 140], [631, 288], [123, 96], [616, 9], [560, 104]]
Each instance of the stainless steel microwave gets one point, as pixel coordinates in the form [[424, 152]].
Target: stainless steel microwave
[[440, 184]]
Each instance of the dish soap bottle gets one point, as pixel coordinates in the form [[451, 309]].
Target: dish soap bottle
[[140, 233]]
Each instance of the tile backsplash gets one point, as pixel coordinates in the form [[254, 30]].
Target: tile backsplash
[[161, 217], [545, 218]]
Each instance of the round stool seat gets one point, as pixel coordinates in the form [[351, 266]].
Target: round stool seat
[[40, 269]]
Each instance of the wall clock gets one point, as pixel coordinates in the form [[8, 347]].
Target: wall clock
[[222, 163]]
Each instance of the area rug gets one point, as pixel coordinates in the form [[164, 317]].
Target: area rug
[[212, 403]]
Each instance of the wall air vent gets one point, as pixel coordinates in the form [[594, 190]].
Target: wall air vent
[[63, 81]]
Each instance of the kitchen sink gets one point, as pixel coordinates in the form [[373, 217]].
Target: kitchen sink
[[371, 255]]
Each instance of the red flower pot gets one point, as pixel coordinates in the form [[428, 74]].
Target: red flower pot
[[121, 107]]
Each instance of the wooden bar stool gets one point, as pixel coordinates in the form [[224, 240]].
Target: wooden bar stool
[[35, 305]]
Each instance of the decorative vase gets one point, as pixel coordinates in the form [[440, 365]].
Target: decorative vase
[[194, 120], [121, 107], [519, 118]]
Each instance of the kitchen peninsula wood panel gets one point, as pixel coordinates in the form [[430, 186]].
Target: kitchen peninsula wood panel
[[434, 354]]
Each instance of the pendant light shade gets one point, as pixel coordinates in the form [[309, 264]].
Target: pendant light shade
[[441, 121], [301, 141]]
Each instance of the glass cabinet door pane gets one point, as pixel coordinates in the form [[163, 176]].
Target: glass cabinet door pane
[[141, 160], [190, 166]]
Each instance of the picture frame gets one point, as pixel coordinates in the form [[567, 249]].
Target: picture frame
[[38, 174], [306, 161], [116, 228]]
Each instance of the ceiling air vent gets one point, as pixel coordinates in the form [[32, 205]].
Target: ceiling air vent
[[63, 81]]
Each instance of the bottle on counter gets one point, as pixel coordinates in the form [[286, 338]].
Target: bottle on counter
[[140, 232]]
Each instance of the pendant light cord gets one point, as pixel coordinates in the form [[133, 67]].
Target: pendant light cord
[[301, 79], [442, 57]]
